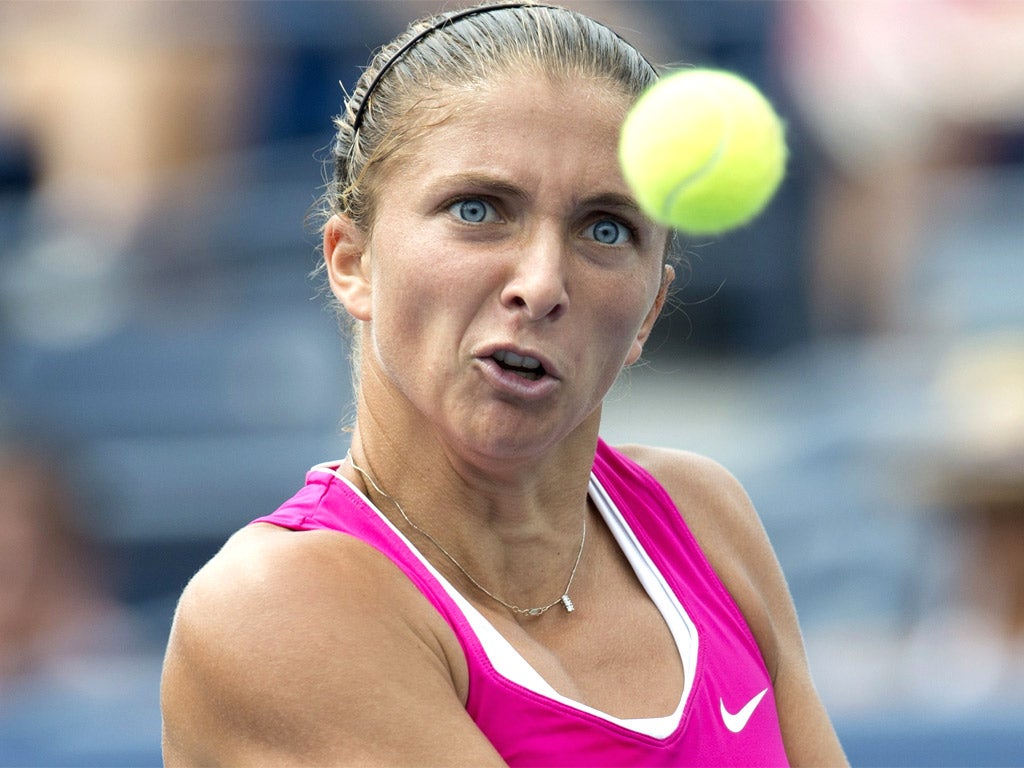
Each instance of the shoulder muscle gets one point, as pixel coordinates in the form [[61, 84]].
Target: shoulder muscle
[[292, 648]]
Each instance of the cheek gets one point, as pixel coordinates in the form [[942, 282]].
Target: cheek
[[619, 321], [422, 304], [422, 293], [624, 308]]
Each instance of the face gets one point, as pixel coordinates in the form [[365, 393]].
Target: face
[[509, 274]]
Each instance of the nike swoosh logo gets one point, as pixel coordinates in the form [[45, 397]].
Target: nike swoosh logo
[[737, 722]]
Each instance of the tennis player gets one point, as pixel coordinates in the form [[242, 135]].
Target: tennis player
[[483, 580]]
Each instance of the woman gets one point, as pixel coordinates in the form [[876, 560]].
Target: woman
[[510, 590]]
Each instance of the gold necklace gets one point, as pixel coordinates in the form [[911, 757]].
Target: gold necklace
[[564, 599]]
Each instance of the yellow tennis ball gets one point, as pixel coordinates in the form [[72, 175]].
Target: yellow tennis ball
[[703, 151]]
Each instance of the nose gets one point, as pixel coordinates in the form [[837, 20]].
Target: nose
[[537, 285]]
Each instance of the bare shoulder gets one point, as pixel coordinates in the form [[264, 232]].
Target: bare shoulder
[[670, 465], [292, 648], [710, 498]]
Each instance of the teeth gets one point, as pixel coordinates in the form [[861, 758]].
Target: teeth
[[516, 361]]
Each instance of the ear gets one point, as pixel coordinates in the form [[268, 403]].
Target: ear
[[344, 246], [667, 276]]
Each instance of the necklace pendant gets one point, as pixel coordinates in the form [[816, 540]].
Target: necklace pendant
[[567, 602]]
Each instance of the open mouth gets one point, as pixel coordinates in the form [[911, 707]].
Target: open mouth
[[529, 368]]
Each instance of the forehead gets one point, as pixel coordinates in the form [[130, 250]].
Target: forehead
[[549, 123]]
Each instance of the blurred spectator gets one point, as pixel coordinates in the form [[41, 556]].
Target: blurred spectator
[[113, 102], [894, 92], [54, 605], [979, 472], [78, 673], [113, 96]]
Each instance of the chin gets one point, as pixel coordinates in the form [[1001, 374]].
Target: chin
[[516, 440]]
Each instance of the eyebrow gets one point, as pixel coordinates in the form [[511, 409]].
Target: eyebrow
[[613, 200], [483, 181]]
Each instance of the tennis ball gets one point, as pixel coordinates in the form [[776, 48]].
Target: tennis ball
[[703, 151]]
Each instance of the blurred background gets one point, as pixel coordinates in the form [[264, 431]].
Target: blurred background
[[855, 356]]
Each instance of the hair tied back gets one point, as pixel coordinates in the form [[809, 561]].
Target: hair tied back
[[412, 42]]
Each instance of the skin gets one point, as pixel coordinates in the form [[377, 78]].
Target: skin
[[263, 669]]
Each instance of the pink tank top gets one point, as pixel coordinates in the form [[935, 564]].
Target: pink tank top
[[729, 716]]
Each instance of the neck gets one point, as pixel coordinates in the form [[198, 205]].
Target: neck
[[515, 544], [517, 501], [524, 610], [508, 509]]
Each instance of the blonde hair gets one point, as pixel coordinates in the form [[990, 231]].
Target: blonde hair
[[459, 49]]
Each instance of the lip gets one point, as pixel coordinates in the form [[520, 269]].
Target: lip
[[550, 369], [512, 383]]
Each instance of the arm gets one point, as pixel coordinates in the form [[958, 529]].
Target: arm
[[312, 648], [721, 516]]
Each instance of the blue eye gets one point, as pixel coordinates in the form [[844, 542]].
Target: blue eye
[[608, 232], [473, 210]]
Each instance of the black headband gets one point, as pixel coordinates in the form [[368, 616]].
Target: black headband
[[445, 22]]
